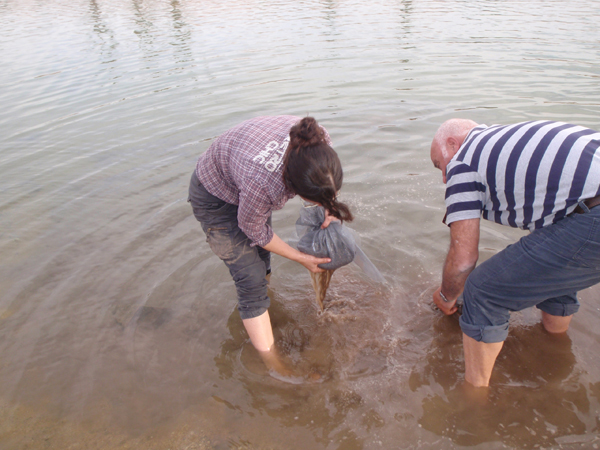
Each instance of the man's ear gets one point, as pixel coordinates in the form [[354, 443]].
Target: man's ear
[[452, 145]]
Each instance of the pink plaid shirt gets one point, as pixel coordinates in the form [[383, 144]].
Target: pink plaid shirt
[[243, 167]]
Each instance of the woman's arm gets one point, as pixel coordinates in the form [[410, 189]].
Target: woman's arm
[[277, 246]]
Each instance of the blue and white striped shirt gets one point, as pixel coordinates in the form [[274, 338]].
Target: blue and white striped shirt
[[527, 175]]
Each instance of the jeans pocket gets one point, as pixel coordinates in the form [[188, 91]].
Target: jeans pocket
[[588, 254], [220, 241], [215, 213], [213, 207]]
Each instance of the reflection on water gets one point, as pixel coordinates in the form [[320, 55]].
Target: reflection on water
[[117, 324], [344, 345], [346, 341], [534, 396]]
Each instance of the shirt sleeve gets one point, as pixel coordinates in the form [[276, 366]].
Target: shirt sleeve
[[254, 210], [465, 193]]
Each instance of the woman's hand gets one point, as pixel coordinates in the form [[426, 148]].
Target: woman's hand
[[279, 247], [312, 262], [328, 219]]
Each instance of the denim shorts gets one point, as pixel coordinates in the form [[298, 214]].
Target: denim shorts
[[248, 265], [545, 269]]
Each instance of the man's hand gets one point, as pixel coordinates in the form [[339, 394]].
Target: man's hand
[[447, 308]]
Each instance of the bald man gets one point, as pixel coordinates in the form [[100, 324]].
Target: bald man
[[540, 176]]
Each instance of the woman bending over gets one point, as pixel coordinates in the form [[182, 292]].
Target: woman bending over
[[247, 173]]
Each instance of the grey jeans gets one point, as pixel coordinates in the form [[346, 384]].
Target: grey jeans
[[247, 264]]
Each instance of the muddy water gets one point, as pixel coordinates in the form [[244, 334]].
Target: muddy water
[[117, 324]]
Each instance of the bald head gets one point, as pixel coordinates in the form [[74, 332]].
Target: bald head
[[447, 140]]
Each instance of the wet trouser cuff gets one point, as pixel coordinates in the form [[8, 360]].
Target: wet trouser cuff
[[251, 314], [488, 334], [560, 306]]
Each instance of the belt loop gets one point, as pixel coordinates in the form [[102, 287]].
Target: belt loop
[[583, 207]]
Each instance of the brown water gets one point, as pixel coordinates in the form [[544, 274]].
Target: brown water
[[118, 326]]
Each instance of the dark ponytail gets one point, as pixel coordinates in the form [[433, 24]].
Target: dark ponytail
[[312, 169]]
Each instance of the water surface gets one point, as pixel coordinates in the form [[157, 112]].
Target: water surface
[[118, 326]]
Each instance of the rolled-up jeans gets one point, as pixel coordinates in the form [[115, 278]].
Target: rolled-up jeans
[[545, 269], [247, 264]]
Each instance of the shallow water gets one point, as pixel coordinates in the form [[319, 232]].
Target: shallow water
[[117, 324]]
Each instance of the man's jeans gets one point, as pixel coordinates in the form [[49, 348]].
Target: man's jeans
[[545, 269]]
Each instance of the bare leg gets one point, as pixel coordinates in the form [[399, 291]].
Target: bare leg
[[479, 360], [556, 324], [474, 396], [260, 331], [261, 335]]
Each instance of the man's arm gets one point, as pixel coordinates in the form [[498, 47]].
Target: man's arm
[[460, 262]]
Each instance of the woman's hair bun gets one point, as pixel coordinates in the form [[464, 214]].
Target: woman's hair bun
[[312, 169], [306, 133]]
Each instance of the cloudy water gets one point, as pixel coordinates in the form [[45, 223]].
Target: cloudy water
[[118, 326]]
